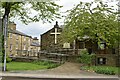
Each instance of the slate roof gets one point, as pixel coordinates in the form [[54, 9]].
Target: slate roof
[[55, 26], [35, 38], [35, 44], [50, 30], [18, 32]]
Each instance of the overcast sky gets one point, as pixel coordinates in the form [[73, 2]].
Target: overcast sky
[[37, 28]]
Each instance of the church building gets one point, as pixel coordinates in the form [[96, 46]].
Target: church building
[[50, 41]]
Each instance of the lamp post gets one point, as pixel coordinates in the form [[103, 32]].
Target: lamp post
[[5, 25]]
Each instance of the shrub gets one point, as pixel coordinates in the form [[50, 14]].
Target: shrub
[[105, 71], [102, 69], [52, 66], [47, 63], [85, 57], [8, 59]]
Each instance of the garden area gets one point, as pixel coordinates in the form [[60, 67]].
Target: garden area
[[35, 65], [86, 59], [102, 69]]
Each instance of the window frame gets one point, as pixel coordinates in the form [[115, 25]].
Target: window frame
[[11, 47], [11, 35]]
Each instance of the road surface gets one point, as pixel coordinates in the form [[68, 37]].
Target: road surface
[[24, 78]]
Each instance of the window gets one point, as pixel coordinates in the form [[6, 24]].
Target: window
[[81, 45], [101, 61], [113, 51], [29, 49], [24, 38], [29, 42], [24, 47], [10, 35], [90, 50], [10, 47], [17, 37], [102, 46]]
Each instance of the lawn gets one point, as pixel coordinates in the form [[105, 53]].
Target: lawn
[[102, 69], [30, 65]]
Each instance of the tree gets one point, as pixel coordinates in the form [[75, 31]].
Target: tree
[[45, 11], [97, 22]]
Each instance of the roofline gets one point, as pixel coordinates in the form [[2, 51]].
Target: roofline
[[19, 34], [49, 30]]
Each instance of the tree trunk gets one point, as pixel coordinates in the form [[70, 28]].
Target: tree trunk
[[7, 11]]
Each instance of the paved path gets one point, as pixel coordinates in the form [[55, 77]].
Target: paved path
[[67, 70]]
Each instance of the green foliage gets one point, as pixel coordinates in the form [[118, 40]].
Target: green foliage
[[102, 69], [85, 57], [47, 63], [0, 57], [24, 66], [36, 65], [45, 11], [8, 59], [98, 22]]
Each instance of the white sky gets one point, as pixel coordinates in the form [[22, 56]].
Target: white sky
[[37, 28]]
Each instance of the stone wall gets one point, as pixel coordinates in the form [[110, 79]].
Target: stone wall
[[48, 40], [111, 60]]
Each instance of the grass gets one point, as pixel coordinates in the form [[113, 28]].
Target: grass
[[101, 68], [30, 65], [47, 63]]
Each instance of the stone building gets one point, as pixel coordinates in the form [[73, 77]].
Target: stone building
[[49, 40], [18, 43], [103, 55], [35, 46]]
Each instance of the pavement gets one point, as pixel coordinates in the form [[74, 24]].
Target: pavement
[[67, 70]]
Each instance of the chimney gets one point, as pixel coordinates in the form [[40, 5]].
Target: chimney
[[35, 39]]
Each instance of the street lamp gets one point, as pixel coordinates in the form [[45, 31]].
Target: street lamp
[[5, 25]]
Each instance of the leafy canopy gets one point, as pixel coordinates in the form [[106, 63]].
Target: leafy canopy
[[96, 20], [33, 11]]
